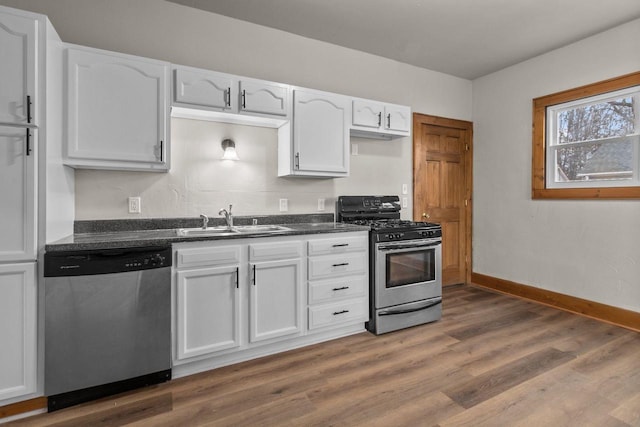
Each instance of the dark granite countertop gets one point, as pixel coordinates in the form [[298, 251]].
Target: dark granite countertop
[[108, 234]]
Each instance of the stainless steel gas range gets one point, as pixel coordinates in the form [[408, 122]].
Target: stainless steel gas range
[[405, 263]]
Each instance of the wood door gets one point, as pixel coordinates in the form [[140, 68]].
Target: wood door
[[442, 188]]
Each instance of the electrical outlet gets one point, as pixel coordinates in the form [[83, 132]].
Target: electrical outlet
[[405, 189], [284, 205], [135, 205], [405, 202], [320, 205], [354, 149]]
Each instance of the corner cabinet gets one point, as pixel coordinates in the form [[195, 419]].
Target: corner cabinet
[[318, 145], [372, 119], [117, 111]]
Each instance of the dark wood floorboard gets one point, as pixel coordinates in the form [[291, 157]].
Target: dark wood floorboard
[[492, 360]]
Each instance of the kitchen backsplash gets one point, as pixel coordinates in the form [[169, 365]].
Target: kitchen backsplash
[[199, 182]]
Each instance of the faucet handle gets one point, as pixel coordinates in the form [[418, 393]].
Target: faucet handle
[[230, 206]]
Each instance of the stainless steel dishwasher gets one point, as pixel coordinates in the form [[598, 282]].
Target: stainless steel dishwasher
[[107, 322]]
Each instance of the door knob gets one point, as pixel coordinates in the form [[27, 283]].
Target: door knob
[[426, 215]]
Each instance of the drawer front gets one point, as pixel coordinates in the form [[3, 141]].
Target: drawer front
[[207, 256], [336, 289], [338, 245], [332, 266], [337, 313], [275, 250]]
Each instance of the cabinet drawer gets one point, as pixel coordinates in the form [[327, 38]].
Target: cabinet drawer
[[340, 312], [197, 257], [337, 265], [336, 289], [338, 245], [272, 251]]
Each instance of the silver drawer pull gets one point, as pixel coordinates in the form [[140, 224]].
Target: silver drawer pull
[[335, 313], [342, 264], [341, 289], [340, 245]]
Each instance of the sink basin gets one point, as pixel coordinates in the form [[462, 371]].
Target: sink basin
[[260, 228], [224, 231], [209, 231]]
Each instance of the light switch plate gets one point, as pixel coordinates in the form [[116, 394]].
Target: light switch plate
[[405, 202], [284, 205], [405, 189], [320, 205], [354, 149]]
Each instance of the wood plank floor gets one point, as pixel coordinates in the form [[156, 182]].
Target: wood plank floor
[[492, 360]]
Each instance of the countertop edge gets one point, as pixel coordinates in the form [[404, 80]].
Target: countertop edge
[[166, 237]]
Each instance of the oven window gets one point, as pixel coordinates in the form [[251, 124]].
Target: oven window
[[411, 267]]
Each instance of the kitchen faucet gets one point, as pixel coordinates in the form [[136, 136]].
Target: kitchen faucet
[[205, 221], [227, 216]]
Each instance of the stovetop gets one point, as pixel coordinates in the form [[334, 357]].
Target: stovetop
[[382, 214]]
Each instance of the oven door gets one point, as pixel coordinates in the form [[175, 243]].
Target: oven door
[[407, 271]]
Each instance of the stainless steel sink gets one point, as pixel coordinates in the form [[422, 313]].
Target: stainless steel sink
[[225, 231], [209, 231], [260, 228]]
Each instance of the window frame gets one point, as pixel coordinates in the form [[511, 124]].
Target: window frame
[[539, 189]]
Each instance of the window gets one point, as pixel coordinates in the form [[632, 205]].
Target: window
[[586, 141]]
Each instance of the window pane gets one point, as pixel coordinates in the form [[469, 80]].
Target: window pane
[[596, 121], [610, 159]]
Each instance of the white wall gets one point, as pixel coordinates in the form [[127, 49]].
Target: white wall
[[186, 36], [588, 249]]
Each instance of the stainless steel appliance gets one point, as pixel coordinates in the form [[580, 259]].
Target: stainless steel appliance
[[405, 280], [107, 322]]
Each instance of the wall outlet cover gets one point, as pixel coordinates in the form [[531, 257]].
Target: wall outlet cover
[[135, 205], [284, 205], [320, 205]]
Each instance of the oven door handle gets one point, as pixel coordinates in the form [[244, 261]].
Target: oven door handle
[[407, 246], [410, 310]]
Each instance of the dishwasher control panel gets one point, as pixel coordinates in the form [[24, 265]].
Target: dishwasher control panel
[[90, 262]]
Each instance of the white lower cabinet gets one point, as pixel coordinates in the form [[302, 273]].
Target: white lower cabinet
[[208, 310], [239, 299], [17, 330], [275, 299], [338, 281]]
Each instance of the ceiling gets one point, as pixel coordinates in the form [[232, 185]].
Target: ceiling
[[464, 38]]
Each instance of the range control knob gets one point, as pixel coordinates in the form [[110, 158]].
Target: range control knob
[[157, 259]]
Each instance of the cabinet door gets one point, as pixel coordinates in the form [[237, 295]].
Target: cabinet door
[[17, 330], [264, 98], [367, 114], [320, 133], [17, 69], [275, 299], [17, 187], [117, 108], [206, 89], [208, 311], [397, 118]]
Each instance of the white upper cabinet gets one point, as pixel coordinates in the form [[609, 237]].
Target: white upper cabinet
[[17, 187], [116, 111], [17, 69], [264, 97], [204, 89], [371, 119], [397, 118], [319, 145], [198, 91]]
